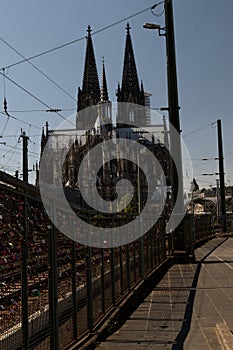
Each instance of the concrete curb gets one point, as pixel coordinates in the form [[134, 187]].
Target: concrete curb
[[225, 336]]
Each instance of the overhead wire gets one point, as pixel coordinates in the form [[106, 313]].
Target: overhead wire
[[45, 75], [14, 147], [158, 14], [4, 102], [40, 110], [79, 39], [6, 136], [57, 48], [20, 120], [36, 98], [39, 70], [199, 129]]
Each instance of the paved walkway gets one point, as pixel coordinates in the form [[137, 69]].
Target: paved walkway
[[184, 308]]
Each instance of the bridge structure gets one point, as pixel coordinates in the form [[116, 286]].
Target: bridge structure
[[58, 294]]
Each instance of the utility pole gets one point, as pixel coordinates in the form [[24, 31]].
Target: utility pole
[[173, 106], [176, 173], [221, 177], [25, 156]]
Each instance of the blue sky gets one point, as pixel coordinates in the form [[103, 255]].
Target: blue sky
[[204, 50]]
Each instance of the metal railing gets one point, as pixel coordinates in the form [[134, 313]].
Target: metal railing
[[54, 291]]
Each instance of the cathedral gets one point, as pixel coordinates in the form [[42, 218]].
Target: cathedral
[[95, 124]]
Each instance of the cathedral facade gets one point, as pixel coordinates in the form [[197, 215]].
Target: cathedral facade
[[94, 109]]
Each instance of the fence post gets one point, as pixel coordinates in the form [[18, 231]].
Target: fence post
[[113, 274], [134, 261], [89, 289], [141, 257], [128, 266], [24, 278], [53, 279], [151, 251], [102, 280], [74, 292], [121, 270]]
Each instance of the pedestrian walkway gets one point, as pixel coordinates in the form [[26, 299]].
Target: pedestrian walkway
[[183, 309]]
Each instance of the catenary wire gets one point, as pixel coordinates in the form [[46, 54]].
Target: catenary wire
[[39, 70], [79, 39], [14, 147], [20, 120], [39, 110], [36, 98], [56, 48], [194, 131]]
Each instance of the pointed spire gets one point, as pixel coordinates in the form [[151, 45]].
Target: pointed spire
[[89, 95], [130, 91], [104, 88]]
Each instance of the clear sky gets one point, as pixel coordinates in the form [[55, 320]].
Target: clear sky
[[204, 50]]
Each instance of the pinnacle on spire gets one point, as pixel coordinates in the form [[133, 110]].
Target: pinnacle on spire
[[89, 95], [104, 88], [128, 28], [89, 30]]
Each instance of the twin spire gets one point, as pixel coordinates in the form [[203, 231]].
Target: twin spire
[[92, 94], [130, 90], [89, 95]]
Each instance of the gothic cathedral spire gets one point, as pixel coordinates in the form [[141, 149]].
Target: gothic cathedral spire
[[105, 106], [89, 95], [130, 91], [104, 88]]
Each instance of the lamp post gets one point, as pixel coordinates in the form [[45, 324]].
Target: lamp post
[[173, 105]]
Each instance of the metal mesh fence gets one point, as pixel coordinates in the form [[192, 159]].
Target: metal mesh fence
[[53, 290]]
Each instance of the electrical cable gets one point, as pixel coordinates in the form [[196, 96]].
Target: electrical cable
[[81, 38], [40, 110], [39, 70], [4, 102], [13, 152], [36, 98], [158, 14], [14, 147], [59, 47], [6, 136], [20, 120], [194, 131]]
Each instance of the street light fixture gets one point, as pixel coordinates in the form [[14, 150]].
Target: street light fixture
[[155, 26]]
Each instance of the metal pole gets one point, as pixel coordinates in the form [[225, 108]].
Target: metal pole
[[173, 106], [24, 278], [128, 265], [89, 288], [53, 284], [217, 196], [89, 281], [74, 291], [25, 156], [113, 275], [103, 280], [141, 241], [221, 177]]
